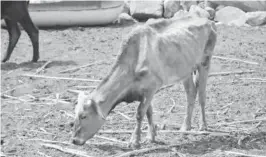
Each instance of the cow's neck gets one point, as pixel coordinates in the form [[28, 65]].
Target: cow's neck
[[112, 90]]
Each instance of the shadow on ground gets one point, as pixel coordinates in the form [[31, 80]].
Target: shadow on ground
[[206, 144], [31, 65]]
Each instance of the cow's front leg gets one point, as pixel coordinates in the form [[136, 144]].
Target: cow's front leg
[[151, 129], [141, 111]]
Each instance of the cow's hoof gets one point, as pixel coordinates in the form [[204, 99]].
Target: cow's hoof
[[151, 140], [134, 145], [34, 60], [4, 60], [203, 128], [185, 128]]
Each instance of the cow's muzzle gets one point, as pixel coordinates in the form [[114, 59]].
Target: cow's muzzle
[[78, 141]]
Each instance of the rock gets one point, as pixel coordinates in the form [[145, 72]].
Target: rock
[[247, 6], [211, 5], [125, 19], [143, 10], [126, 8], [219, 7], [211, 12], [194, 9], [256, 18], [180, 13], [187, 4], [202, 5], [231, 15], [171, 7]]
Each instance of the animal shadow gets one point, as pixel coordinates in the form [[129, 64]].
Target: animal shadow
[[30, 65]]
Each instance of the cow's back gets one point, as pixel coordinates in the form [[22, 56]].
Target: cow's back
[[177, 46]]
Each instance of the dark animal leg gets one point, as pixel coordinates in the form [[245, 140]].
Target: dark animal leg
[[33, 33], [14, 34]]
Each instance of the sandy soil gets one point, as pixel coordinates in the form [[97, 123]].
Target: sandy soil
[[33, 113]]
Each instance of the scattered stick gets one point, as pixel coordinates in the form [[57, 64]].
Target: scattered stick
[[86, 87], [146, 150], [258, 79], [42, 154], [110, 139], [236, 59], [74, 91], [243, 121], [59, 78], [162, 131], [80, 67], [230, 72], [43, 67], [9, 90], [164, 87], [42, 132], [259, 124], [243, 154], [173, 106], [49, 141], [68, 114], [66, 150], [2, 154], [12, 97], [228, 105], [122, 114]]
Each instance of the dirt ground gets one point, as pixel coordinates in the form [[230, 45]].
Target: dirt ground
[[37, 109]]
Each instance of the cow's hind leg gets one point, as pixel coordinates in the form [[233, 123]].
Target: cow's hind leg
[[152, 131], [203, 76], [141, 111], [14, 34], [33, 33], [191, 93]]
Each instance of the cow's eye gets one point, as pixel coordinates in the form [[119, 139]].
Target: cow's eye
[[82, 116]]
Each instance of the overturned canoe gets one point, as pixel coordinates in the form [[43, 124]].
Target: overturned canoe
[[75, 13]]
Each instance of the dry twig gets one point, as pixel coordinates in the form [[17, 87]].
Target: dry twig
[[173, 106], [74, 91], [15, 98], [243, 121], [2, 154], [164, 87], [258, 79], [230, 72], [66, 150], [43, 154], [163, 131], [235, 59], [110, 139], [60, 78], [49, 141], [145, 150], [9, 90], [243, 154], [43, 67], [122, 114], [83, 66], [86, 87]]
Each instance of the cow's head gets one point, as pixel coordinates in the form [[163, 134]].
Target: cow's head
[[89, 117]]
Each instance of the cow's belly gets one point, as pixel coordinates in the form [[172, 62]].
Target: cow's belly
[[174, 61]]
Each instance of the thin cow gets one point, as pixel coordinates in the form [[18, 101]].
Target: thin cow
[[158, 53], [14, 12]]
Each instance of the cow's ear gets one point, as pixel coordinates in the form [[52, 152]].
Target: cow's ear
[[98, 110]]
